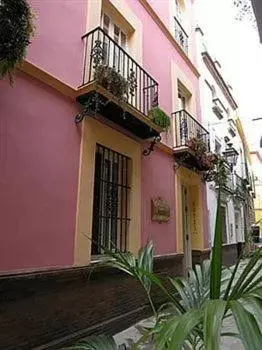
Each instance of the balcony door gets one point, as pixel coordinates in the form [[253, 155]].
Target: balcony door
[[113, 56], [183, 105]]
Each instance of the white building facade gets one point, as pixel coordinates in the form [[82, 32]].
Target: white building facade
[[219, 116]]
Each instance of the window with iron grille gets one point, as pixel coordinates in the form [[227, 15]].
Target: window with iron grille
[[111, 200]]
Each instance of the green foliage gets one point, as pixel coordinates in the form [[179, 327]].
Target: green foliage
[[244, 10], [159, 117], [197, 304], [111, 80], [216, 261], [100, 342], [218, 173], [206, 160], [16, 28]]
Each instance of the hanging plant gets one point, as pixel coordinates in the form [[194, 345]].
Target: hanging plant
[[159, 117], [197, 145], [16, 28]]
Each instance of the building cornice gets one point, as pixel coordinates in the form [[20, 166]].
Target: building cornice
[[66, 90], [169, 36], [48, 79], [219, 79]]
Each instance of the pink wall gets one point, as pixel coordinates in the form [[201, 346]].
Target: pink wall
[[158, 180], [158, 52], [157, 169], [39, 155], [57, 46]]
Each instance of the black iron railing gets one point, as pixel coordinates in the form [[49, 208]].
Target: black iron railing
[[229, 183], [187, 128], [107, 62], [181, 36], [239, 186]]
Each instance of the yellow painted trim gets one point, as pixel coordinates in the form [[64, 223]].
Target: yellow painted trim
[[80, 166], [96, 132], [169, 36], [243, 139], [48, 79], [178, 75], [196, 203], [123, 16], [164, 148]]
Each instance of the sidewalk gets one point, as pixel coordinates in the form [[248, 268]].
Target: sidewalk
[[132, 333]]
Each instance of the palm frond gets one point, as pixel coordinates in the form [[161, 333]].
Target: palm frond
[[214, 312], [96, 342], [247, 325], [216, 256]]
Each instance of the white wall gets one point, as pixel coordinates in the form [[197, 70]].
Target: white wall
[[218, 129]]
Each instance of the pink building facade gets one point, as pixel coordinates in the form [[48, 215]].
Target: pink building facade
[[41, 145], [51, 202]]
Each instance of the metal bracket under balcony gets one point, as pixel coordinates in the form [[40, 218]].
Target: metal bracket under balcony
[[116, 87], [187, 131]]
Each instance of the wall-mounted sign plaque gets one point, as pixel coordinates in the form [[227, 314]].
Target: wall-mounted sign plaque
[[160, 210]]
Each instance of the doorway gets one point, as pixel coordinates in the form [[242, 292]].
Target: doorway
[[186, 228]]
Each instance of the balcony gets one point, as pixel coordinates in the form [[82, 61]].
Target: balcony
[[181, 36], [228, 186], [117, 87], [240, 187], [187, 130]]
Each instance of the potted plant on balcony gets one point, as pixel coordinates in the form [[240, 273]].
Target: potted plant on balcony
[[159, 117], [111, 80], [17, 29]]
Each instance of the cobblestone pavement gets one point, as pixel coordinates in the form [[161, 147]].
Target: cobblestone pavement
[[226, 342]]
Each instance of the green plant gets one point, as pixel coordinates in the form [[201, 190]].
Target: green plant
[[207, 296], [16, 28], [159, 117], [100, 342], [111, 80], [217, 172]]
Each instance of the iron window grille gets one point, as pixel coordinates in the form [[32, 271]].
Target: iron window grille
[[111, 201]]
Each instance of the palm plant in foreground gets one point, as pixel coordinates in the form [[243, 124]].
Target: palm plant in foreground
[[197, 305]]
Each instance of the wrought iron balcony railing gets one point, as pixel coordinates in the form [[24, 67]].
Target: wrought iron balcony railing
[[181, 36], [108, 64], [187, 128], [240, 187], [229, 183]]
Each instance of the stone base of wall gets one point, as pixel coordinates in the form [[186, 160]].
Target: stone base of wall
[[55, 308], [198, 256], [230, 253]]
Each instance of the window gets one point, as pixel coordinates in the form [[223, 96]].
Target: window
[[116, 33], [181, 101], [183, 96], [217, 147], [111, 199]]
